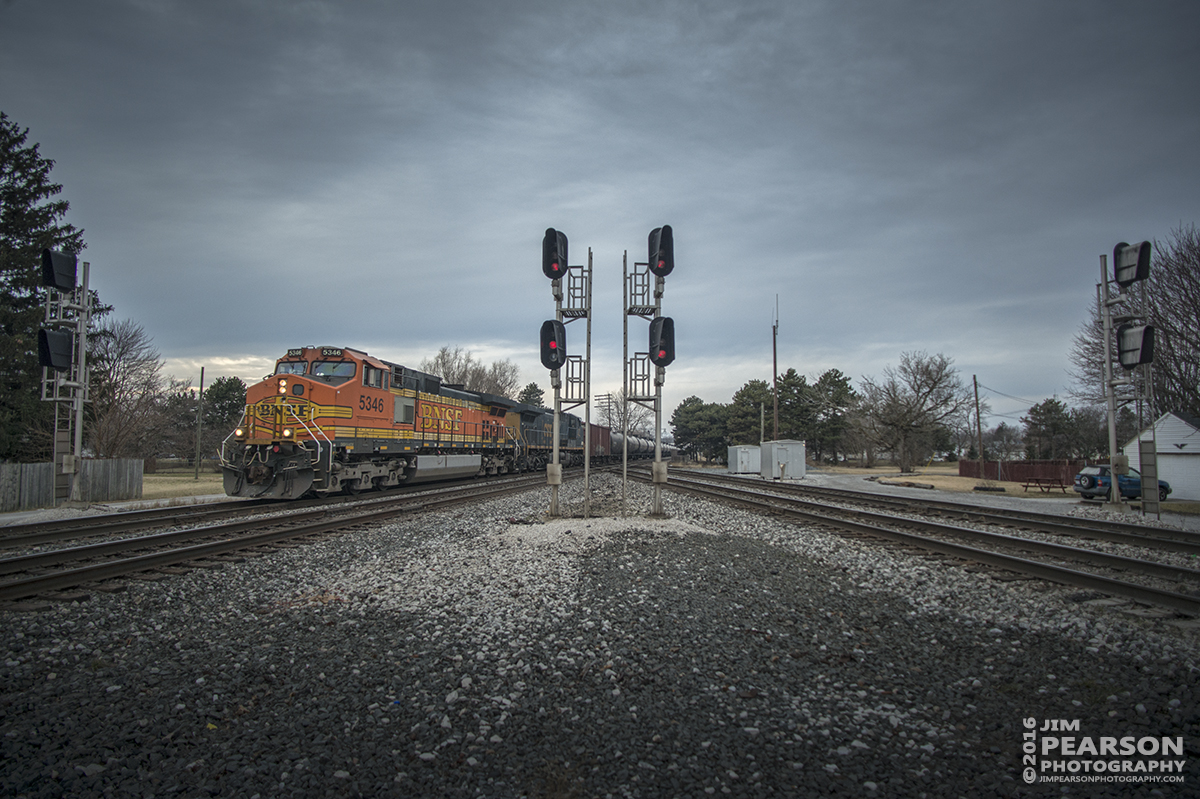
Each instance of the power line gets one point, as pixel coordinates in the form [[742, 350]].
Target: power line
[[1030, 403]]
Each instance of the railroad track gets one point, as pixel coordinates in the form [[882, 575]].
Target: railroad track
[[993, 549], [1166, 539], [17, 536], [44, 573]]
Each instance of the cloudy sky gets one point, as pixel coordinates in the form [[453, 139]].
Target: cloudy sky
[[904, 176]]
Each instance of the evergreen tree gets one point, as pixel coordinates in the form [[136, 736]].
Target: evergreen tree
[[699, 427], [532, 394], [224, 402], [834, 397], [30, 221], [1048, 430], [797, 407], [745, 422]]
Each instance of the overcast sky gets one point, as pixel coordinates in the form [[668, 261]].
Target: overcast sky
[[905, 176]]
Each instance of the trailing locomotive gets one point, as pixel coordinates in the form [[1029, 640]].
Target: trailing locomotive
[[336, 419]]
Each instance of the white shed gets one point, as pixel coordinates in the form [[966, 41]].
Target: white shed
[[745, 460], [783, 459], [1178, 453]]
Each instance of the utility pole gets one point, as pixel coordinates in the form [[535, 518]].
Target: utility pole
[[775, 368], [199, 420], [979, 432]]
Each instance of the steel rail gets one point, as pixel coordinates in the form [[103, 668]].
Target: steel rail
[[1058, 574], [1092, 527], [56, 581], [1060, 550], [1182, 541], [29, 534]]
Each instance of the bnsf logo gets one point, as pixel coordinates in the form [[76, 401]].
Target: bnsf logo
[[438, 417]]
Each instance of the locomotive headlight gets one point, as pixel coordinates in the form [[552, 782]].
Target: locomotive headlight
[[287, 433], [239, 433], [283, 385]]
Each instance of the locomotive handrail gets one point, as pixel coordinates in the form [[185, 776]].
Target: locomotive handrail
[[224, 441], [308, 430]]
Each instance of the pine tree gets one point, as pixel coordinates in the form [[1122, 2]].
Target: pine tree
[[532, 394], [30, 221]]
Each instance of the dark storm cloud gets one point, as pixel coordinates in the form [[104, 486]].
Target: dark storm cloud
[[938, 176]]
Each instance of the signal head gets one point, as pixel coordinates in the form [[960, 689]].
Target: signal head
[[553, 344], [1131, 262], [55, 349], [1135, 345], [59, 269], [662, 251], [662, 341], [554, 254]]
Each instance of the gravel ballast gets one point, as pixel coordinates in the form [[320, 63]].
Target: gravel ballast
[[486, 652]]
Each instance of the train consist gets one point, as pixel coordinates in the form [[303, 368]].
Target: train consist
[[334, 419]]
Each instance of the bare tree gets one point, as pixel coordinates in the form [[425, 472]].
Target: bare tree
[[503, 378], [912, 410], [459, 367], [1173, 296], [612, 414], [126, 392]]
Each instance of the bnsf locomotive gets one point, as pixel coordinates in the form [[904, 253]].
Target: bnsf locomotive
[[336, 419]]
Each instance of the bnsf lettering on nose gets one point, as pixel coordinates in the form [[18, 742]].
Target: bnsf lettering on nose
[[438, 417]]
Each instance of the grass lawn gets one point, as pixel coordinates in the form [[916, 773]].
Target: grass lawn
[[168, 484]]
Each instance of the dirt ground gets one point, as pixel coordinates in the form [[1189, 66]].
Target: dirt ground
[[942, 476]]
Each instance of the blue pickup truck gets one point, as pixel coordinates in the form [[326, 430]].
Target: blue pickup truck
[[1094, 481]]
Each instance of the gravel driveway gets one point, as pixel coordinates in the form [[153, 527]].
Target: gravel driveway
[[482, 652]]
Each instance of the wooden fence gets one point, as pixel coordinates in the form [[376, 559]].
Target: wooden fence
[[1019, 471], [24, 486]]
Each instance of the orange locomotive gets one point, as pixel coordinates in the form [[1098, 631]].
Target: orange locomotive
[[336, 419]]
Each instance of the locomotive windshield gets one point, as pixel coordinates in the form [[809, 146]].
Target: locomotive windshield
[[291, 368], [333, 371]]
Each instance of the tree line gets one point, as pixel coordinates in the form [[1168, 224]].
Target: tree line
[[919, 409], [908, 414]]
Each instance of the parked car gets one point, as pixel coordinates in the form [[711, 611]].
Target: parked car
[[1094, 481]]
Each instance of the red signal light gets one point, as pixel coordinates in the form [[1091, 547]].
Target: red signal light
[[554, 254], [662, 341], [661, 251], [553, 344]]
